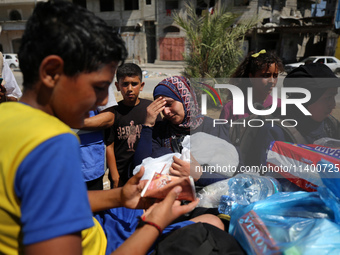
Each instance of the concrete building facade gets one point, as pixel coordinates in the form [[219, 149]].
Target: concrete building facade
[[290, 27], [295, 29], [146, 26], [13, 17]]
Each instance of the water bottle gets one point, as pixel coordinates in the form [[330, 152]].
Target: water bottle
[[244, 189]]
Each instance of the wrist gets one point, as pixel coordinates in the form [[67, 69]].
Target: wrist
[[120, 201], [115, 174], [197, 174], [142, 222]]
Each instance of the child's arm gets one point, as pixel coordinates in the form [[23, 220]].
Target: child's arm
[[102, 120], [126, 196], [112, 165], [161, 214], [66, 245], [146, 146]]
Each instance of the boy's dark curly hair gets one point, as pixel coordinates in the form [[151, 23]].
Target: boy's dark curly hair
[[84, 41], [129, 69]]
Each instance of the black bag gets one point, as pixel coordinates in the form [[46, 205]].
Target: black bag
[[198, 239]]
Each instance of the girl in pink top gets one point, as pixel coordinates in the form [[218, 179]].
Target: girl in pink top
[[259, 71]]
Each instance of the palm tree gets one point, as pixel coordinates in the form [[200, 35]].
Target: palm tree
[[214, 41]]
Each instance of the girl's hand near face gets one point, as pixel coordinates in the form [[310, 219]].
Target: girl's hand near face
[[152, 111]]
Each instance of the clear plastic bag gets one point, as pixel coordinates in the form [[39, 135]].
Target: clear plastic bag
[[242, 189], [328, 142], [210, 195]]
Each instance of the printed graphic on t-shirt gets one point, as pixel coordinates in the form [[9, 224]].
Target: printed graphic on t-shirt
[[130, 133]]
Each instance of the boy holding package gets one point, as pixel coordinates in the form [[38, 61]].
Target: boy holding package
[[68, 58]]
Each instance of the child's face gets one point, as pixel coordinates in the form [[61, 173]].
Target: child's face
[[265, 80], [129, 87], [173, 111], [324, 105], [74, 97]]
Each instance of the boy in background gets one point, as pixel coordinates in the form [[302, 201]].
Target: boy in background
[[130, 113]]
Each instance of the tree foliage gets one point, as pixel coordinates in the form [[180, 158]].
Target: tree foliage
[[214, 41]]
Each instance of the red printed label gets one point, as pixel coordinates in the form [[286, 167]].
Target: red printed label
[[257, 234]]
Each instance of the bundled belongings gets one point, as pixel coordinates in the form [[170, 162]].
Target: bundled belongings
[[298, 163], [202, 148]]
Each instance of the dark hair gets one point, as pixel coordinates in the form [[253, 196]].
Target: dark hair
[[315, 77], [129, 69], [250, 65], [84, 41]]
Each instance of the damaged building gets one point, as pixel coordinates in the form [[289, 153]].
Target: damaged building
[[293, 28]]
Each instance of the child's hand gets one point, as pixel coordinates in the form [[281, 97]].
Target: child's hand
[[164, 212], [152, 111], [130, 194], [184, 168]]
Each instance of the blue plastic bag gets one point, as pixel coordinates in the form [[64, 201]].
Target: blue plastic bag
[[292, 223], [330, 194], [286, 223]]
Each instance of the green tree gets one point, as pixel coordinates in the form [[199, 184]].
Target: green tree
[[214, 41]]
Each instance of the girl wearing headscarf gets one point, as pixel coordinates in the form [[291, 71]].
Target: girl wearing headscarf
[[175, 98]]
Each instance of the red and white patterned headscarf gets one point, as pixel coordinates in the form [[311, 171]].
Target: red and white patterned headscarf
[[178, 88]]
